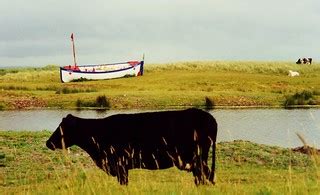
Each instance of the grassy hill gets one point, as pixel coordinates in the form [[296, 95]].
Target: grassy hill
[[163, 86]]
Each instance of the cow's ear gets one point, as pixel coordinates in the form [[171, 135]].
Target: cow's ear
[[70, 120], [69, 116]]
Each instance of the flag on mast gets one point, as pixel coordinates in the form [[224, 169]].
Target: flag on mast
[[74, 51]]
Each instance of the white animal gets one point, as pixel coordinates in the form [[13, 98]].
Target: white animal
[[293, 73]]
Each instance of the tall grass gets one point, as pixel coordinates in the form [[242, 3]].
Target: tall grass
[[242, 167]]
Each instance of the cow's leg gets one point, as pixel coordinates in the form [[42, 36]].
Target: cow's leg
[[199, 177], [205, 154], [201, 169], [211, 176], [204, 158], [198, 172]]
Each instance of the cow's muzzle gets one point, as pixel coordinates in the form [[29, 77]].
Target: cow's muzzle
[[50, 145]]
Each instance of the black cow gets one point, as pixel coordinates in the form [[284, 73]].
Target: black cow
[[152, 140], [304, 61]]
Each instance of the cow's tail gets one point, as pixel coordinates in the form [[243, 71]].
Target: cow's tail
[[213, 136]]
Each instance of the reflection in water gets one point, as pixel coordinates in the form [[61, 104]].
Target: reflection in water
[[266, 126]]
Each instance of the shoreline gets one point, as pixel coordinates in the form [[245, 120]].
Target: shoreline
[[167, 108]]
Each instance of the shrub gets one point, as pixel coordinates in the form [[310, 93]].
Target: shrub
[[100, 102], [209, 103], [2, 72], [6, 71], [300, 99], [2, 106], [2, 159]]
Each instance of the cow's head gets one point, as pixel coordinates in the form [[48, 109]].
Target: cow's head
[[63, 137]]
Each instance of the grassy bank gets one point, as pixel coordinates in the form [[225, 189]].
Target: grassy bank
[[27, 166], [185, 84]]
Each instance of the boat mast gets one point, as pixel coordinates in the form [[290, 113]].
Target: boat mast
[[74, 51]]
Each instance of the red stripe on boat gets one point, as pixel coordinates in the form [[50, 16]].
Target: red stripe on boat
[[133, 63], [71, 67]]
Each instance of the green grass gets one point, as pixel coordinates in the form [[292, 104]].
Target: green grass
[[27, 166], [184, 84]]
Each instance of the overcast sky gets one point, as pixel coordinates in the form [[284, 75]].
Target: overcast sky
[[37, 32]]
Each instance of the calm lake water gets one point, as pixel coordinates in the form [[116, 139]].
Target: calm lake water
[[276, 127]]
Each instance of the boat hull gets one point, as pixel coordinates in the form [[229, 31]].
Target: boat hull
[[101, 72]]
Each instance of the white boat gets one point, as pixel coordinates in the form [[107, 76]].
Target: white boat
[[101, 71]]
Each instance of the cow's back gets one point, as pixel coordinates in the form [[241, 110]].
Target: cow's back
[[154, 127]]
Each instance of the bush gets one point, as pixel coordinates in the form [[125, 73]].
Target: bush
[[209, 103], [6, 71], [2, 106], [100, 102], [300, 99]]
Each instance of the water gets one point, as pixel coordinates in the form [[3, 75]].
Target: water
[[270, 126], [275, 127]]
